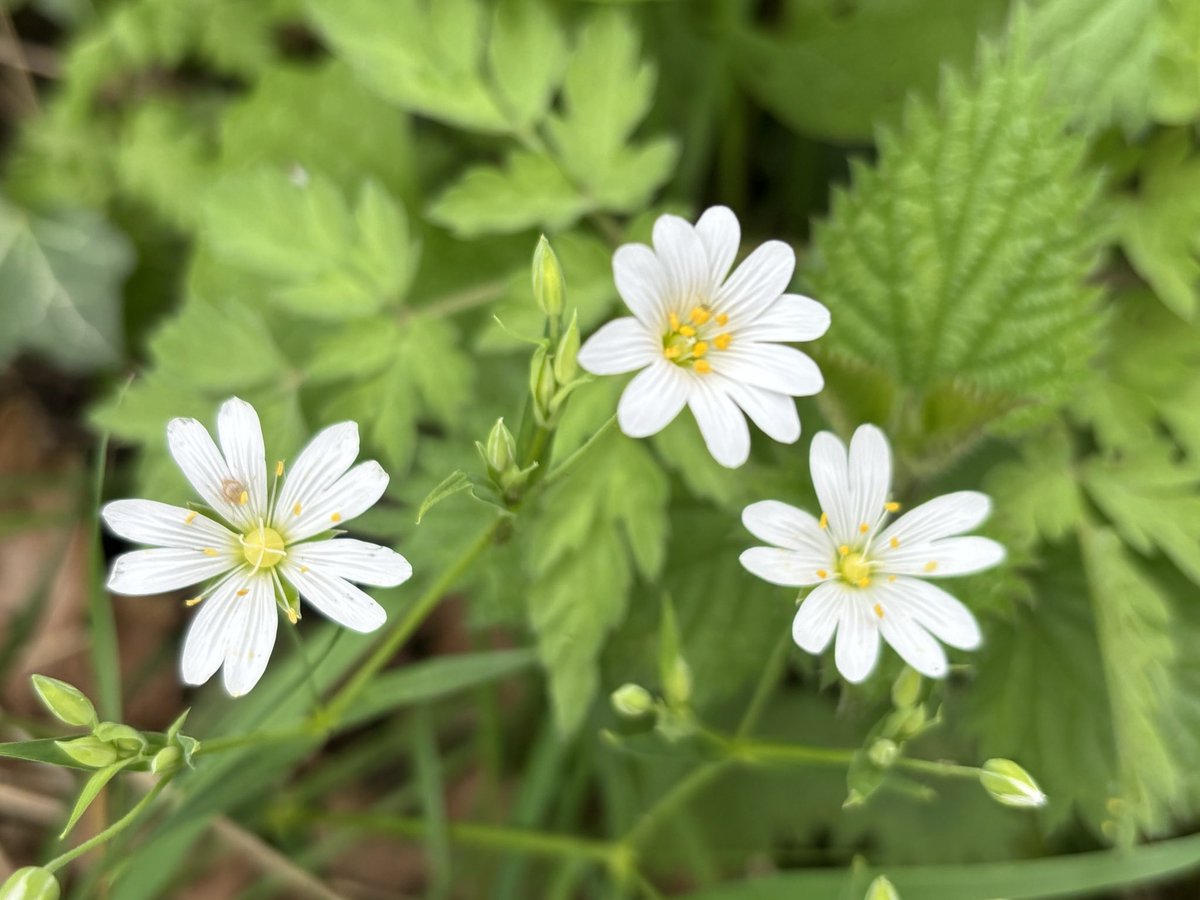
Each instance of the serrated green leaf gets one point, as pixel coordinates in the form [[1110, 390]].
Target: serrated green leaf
[[165, 162], [1036, 497], [527, 53], [528, 190], [1176, 99], [958, 265]]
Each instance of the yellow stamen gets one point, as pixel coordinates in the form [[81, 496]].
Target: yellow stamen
[[702, 366], [672, 352], [700, 315], [336, 517], [821, 573], [843, 550], [723, 341], [892, 506], [891, 578], [722, 319], [193, 601], [296, 509], [674, 320], [700, 349], [895, 542], [243, 498], [687, 330], [931, 565], [209, 551], [303, 569], [279, 468], [243, 592], [878, 610], [293, 616], [864, 582], [824, 523], [864, 527], [189, 518]]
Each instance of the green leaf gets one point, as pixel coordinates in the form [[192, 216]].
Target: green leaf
[[1159, 229], [527, 53], [1036, 496], [451, 485], [1176, 97], [43, 751], [326, 260], [528, 190], [432, 790], [62, 275], [164, 161], [91, 789], [957, 268], [607, 92], [846, 101]]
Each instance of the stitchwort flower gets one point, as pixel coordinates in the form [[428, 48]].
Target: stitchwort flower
[[254, 543], [708, 341], [868, 574]]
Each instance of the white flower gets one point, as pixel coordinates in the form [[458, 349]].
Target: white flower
[[866, 577], [261, 542], [708, 341]]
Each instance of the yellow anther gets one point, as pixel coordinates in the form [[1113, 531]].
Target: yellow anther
[[193, 601], [723, 341], [824, 523], [722, 319], [931, 565], [895, 542], [892, 506], [864, 527], [878, 610], [292, 615], [843, 550], [243, 498], [674, 320], [686, 330], [189, 518], [209, 551], [891, 579], [700, 315], [242, 592], [672, 352], [864, 581], [303, 569], [279, 468], [296, 509], [700, 349], [336, 517], [821, 573], [702, 366]]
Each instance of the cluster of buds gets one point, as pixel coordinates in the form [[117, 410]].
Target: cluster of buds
[[670, 713], [554, 368]]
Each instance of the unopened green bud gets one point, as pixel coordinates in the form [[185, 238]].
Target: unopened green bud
[[1011, 785], [126, 739], [542, 385], [547, 279], [65, 701], [678, 683], [30, 883], [862, 780], [167, 761], [906, 689], [882, 889], [632, 701], [565, 358], [884, 753], [501, 449], [89, 751]]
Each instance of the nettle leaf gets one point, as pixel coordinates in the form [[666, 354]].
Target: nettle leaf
[[956, 268], [1176, 97], [847, 101], [1159, 229], [607, 91], [1037, 496], [62, 276], [327, 260], [528, 190]]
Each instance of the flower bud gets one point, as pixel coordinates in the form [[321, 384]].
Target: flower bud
[[882, 889], [30, 883], [501, 450], [65, 701], [565, 357], [1011, 785], [678, 683], [547, 279], [884, 753], [542, 385], [89, 751], [906, 689], [126, 739], [167, 761], [632, 701]]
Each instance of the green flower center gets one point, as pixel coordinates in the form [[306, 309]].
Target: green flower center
[[854, 569], [263, 547]]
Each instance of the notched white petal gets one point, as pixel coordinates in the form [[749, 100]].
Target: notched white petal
[[785, 526], [719, 231], [817, 619], [322, 462], [354, 560], [253, 637], [348, 497], [620, 346], [163, 525], [335, 598], [721, 423], [788, 568], [652, 400], [156, 571]]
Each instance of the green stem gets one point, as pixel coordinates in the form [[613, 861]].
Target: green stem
[[111, 831], [567, 464], [941, 769], [678, 795], [459, 301], [761, 752], [766, 683], [254, 738], [403, 629]]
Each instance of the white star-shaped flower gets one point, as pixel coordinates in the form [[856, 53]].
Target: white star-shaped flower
[[262, 542], [708, 341], [867, 578]]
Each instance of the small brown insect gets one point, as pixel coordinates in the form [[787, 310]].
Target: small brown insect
[[234, 491]]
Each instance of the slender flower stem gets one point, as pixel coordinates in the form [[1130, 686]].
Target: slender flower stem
[[678, 795], [766, 683], [112, 830], [567, 464], [801, 754], [459, 301], [403, 629], [254, 738], [942, 769]]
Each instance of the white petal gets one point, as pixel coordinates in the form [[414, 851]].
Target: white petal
[[870, 473], [620, 346], [252, 638], [789, 568], [351, 495], [719, 231], [241, 439], [354, 560], [941, 517], [721, 423], [942, 615], [212, 630], [167, 569], [642, 284], [775, 367], [774, 413], [790, 318], [785, 526], [319, 465], [335, 598], [914, 644], [151, 522], [758, 282], [827, 465], [818, 616], [857, 636], [941, 559], [684, 260], [652, 399], [205, 467]]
